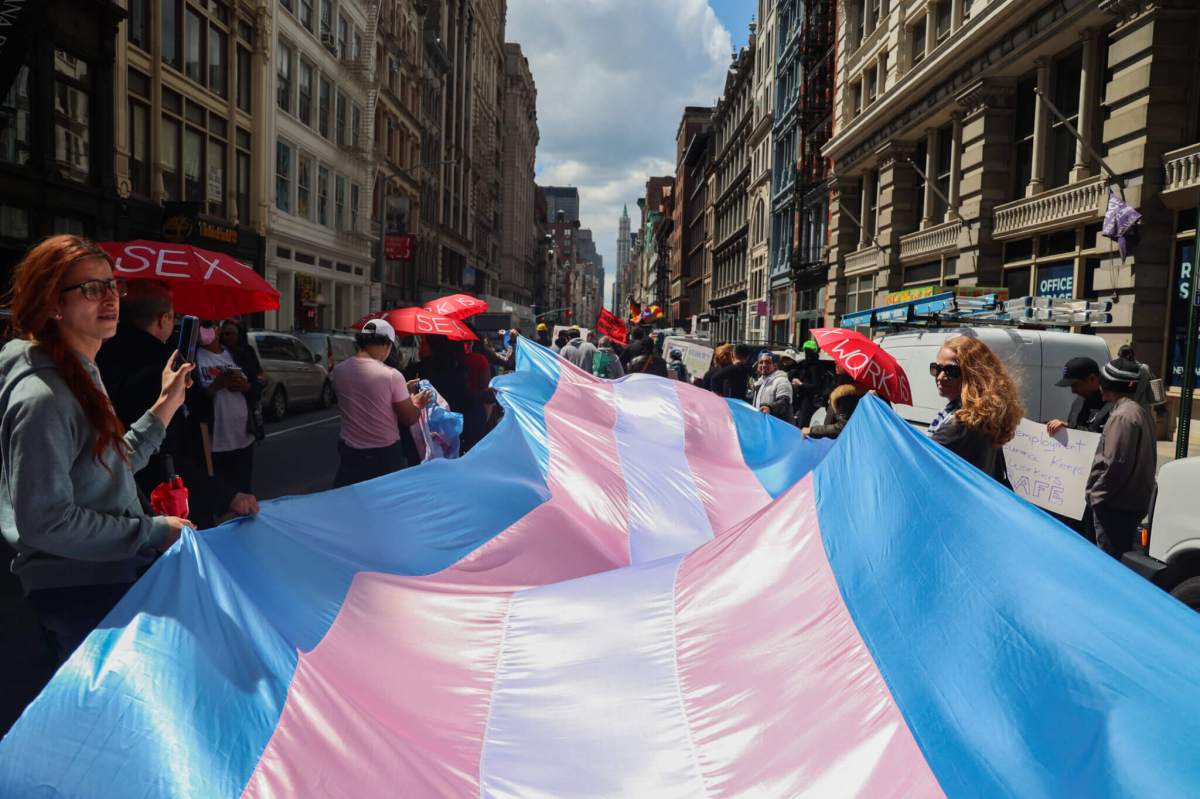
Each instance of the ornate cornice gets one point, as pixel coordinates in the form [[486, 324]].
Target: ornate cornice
[[986, 93]]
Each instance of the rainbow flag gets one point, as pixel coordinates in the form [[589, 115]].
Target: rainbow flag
[[632, 588]]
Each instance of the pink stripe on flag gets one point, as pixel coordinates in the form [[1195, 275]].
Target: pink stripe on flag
[[395, 698], [728, 487], [782, 695]]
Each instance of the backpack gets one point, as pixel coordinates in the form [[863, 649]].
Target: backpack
[[600, 362]]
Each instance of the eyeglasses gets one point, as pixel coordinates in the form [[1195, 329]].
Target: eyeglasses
[[952, 370], [98, 289]]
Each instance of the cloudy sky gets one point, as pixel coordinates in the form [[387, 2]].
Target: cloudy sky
[[613, 77]]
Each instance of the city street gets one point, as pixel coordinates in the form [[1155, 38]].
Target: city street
[[299, 455]]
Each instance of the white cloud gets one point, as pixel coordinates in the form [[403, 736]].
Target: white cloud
[[613, 77]]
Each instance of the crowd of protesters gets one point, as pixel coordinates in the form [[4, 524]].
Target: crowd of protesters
[[97, 409]]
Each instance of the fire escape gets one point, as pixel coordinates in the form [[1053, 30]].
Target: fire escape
[[818, 30]]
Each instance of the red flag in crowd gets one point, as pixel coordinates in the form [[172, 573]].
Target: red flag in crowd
[[609, 325]]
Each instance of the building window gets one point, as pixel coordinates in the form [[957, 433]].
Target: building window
[[283, 177], [860, 293], [871, 78], [193, 46], [355, 125], [917, 36], [342, 113], [243, 187], [324, 101], [1067, 75], [327, 17], [305, 91], [287, 4], [343, 38], [339, 203], [355, 193], [856, 99], [283, 68], [193, 165], [304, 188], [218, 65], [945, 141], [168, 156], [942, 20], [1024, 122], [139, 148], [217, 152], [138, 27], [72, 139], [306, 14], [323, 196], [245, 88], [170, 34], [15, 121]]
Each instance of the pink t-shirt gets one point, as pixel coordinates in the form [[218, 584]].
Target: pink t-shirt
[[366, 389]]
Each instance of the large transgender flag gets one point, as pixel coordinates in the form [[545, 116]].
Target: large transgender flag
[[632, 589]]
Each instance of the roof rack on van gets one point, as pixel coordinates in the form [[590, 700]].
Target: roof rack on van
[[951, 308]]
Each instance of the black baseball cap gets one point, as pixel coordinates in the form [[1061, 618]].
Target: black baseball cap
[[1077, 369]]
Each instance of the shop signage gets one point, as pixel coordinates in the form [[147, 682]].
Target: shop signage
[[924, 292], [1056, 280], [398, 247], [218, 232]]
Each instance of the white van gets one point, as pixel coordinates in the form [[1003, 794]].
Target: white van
[[1169, 553], [1035, 359]]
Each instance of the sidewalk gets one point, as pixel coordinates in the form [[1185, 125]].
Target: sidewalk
[[1166, 450]]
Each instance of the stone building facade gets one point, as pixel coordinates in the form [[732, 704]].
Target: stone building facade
[[519, 242], [952, 168], [696, 122], [486, 58], [761, 144], [731, 124]]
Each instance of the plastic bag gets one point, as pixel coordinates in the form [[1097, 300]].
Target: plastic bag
[[440, 427]]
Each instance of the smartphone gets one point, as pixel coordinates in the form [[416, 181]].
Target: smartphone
[[189, 334]]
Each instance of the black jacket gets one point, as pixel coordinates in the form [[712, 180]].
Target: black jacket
[[131, 364], [636, 348], [1089, 413], [731, 381], [975, 447]]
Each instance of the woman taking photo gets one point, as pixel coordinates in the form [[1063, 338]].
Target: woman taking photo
[[983, 408], [68, 502]]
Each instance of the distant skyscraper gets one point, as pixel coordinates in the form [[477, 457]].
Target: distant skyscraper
[[562, 198], [623, 242]]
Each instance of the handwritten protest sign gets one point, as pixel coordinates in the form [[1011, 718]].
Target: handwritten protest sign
[[1051, 471]]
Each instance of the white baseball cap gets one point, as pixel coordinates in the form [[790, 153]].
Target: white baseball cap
[[380, 327]]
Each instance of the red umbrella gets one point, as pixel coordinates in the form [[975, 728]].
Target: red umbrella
[[457, 306], [376, 315], [420, 322], [206, 284], [869, 364]]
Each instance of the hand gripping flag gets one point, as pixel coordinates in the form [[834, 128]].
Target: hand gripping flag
[[609, 325], [647, 591]]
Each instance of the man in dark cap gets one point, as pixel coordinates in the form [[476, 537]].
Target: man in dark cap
[[1089, 411], [1121, 482]]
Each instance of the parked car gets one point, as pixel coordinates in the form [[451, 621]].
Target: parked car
[[1035, 358], [333, 347], [1169, 553], [293, 374]]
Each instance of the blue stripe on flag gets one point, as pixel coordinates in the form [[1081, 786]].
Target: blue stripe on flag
[[199, 655], [1025, 661], [777, 453]]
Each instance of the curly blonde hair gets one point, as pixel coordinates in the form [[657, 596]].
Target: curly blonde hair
[[990, 400]]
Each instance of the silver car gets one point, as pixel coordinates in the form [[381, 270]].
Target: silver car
[[293, 374]]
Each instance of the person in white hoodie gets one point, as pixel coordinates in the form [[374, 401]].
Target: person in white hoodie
[[774, 394]]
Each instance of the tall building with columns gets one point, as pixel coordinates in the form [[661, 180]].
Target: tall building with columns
[[622, 254], [955, 163]]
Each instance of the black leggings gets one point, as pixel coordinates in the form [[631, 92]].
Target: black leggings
[[67, 615], [236, 467], [357, 465]]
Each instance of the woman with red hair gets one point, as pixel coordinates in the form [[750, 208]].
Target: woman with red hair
[[68, 501]]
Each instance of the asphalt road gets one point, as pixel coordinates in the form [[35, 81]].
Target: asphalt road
[[299, 455]]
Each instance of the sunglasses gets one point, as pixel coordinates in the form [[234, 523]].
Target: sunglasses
[[952, 370], [99, 289]]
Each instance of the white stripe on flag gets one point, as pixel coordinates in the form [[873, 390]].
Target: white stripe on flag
[[586, 700], [666, 514]]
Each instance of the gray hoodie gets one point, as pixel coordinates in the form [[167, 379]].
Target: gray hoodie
[[580, 353], [71, 521]]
